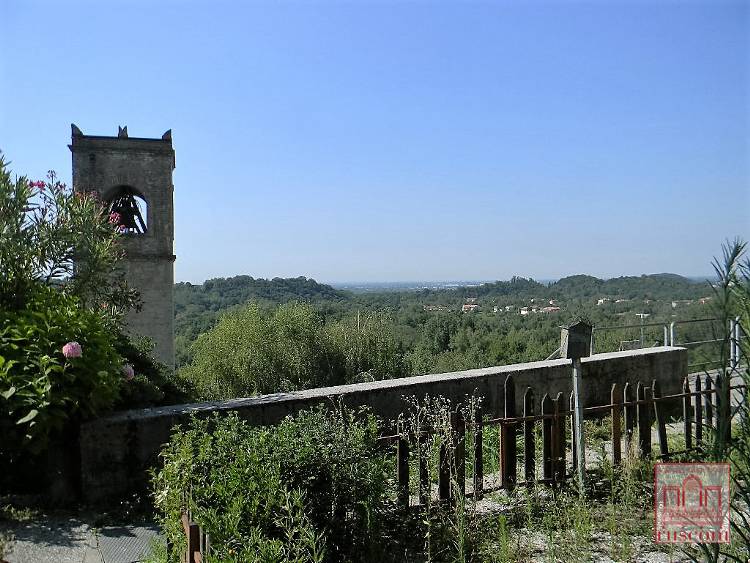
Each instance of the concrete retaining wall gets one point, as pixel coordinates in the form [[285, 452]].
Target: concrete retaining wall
[[117, 450]]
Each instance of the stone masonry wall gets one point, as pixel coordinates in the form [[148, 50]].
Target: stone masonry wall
[[104, 164], [117, 450]]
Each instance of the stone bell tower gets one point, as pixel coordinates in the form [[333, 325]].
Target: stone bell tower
[[133, 176]]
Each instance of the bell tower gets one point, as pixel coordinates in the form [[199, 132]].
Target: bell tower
[[133, 176]]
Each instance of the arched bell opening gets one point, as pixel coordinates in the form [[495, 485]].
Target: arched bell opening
[[130, 210]]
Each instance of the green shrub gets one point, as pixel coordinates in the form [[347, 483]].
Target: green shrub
[[249, 352], [39, 388], [154, 383], [316, 482]]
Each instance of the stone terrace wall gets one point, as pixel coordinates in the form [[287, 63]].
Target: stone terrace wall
[[117, 450]]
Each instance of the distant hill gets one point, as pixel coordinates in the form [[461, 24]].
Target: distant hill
[[219, 293], [647, 286]]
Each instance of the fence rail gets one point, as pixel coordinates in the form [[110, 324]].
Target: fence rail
[[634, 410]]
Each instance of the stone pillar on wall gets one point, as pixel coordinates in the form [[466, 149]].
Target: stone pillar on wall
[[139, 170]]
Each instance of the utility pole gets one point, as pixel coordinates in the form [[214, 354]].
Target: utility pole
[[642, 316]]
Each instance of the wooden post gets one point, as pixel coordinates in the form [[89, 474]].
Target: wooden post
[[402, 466], [644, 420], [424, 475], [628, 417], [686, 415], [547, 439], [194, 542], [444, 470], [698, 411], [529, 444], [709, 402], [661, 423], [478, 467], [561, 438], [723, 408], [555, 445], [192, 533], [458, 425], [615, 398], [508, 452]]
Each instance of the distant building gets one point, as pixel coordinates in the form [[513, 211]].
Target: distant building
[[495, 309], [470, 308], [704, 300], [508, 307], [525, 311], [603, 300], [550, 309]]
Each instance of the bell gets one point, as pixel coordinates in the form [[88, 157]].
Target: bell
[[130, 214]]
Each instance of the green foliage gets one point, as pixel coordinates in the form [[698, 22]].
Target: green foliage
[[250, 352], [365, 348], [198, 307], [154, 383], [314, 484], [44, 227], [39, 388]]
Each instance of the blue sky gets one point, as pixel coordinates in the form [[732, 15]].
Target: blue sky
[[406, 140]]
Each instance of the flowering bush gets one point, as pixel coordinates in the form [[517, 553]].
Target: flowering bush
[[61, 307], [57, 361], [48, 235]]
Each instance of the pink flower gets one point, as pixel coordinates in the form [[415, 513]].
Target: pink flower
[[72, 350], [115, 218], [38, 184], [128, 372]]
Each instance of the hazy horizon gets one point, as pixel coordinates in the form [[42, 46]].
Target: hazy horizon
[[457, 281]]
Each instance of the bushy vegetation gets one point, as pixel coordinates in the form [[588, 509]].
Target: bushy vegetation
[[41, 388], [198, 307], [251, 352], [63, 354], [313, 488]]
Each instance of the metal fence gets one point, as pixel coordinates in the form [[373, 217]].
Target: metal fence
[[709, 343]]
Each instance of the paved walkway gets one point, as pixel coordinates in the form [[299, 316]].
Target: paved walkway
[[59, 539]]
